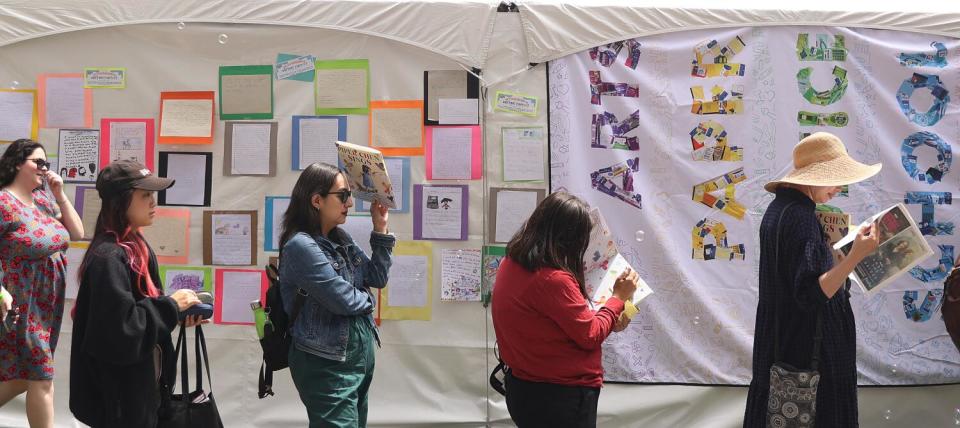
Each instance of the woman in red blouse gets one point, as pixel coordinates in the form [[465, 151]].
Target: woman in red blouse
[[547, 333]]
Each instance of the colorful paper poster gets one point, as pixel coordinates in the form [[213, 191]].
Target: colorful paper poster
[[87, 202], [127, 139], [105, 77], [186, 117], [342, 87], [79, 155], [196, 278], [64, 103], [274, 208], [523, 149], [459, 85], [460, 275], [398, 169], [459, 111], [169, 235], [510, 102], [410, 285], [509, 210], [230, 238], [315, 139], [192, 172], [492, 257], [74, 258], [440, 212], [396, 127], [251, 148], [18, 115], [295, 67], [235, 290], [454, 153], [246, 92]]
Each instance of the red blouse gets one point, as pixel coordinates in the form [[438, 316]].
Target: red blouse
[[545, 329]]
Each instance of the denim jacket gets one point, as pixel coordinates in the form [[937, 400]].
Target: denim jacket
[[337, 277]]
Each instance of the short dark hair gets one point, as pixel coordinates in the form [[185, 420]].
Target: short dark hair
[[301, 216], [15, 155], [556, 235]]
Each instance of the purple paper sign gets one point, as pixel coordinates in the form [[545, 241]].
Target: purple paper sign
[[440, 212]]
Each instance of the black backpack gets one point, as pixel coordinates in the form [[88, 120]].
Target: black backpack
[[277, 338]]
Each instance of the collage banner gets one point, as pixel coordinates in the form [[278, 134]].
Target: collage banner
[[673, 136]]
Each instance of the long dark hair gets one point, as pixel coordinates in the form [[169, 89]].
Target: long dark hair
[[301, 216], [556, 235], [114, 226], [15, 155]]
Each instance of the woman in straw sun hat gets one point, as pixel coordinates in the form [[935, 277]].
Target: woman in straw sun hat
[[799, 281]]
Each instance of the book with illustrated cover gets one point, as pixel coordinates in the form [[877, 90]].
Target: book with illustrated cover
[[603, 263], [902, 247], [835, 225], [366, 173]]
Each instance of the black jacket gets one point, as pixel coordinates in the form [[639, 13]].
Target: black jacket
[[115, 333]]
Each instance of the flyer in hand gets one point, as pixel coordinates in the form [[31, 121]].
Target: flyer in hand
[[902, 247]]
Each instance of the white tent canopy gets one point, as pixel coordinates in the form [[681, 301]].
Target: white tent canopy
[[457, 30], [554, 29]]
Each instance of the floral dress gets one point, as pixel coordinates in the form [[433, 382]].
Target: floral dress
[[33, 270]]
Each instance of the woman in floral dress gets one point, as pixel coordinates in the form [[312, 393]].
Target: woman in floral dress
[[37, 222]]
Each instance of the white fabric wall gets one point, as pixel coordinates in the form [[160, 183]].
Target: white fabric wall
[[428, 373]]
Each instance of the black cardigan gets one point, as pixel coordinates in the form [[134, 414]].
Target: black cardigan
[[115, 332]]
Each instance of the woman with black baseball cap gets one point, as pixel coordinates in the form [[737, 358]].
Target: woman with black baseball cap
[[122, 350]]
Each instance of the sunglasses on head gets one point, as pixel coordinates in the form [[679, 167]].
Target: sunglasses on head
[[41, 163], [343, 195]]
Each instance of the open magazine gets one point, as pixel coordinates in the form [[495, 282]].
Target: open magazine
[[902, 247], [603, 264], [366, 172]]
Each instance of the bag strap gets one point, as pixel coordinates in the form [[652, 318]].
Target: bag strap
[[818, 332], [201, 348], [184, 366]]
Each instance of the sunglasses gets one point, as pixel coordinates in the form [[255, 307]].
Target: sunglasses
[[41, 163], [343, 195]]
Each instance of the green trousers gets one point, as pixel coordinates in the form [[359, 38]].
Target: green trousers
[[335, 392]]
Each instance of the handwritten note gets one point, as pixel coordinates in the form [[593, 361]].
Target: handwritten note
[[235, 290], [89, 210], [128, 140], [168, 235], [523, 152], [191, 175], [408, 281], [79, 155], [317, 137], [443, 84], [250, 154], [246, 92], [275, 209], [396, 127], [513, 209], [66, 103], [230, 243], [456, 111], [74, 257], [441, 212], [451, 152], [186, 118], [341, 87], [460, 275], [17, 114]]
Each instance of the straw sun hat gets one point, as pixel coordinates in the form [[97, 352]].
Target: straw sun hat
[[822, 160]]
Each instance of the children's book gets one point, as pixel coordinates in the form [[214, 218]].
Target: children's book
[[366, 173], [603, 263]]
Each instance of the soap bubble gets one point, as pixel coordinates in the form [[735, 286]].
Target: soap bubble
[[222, 39], [181, 25], [639, 236]]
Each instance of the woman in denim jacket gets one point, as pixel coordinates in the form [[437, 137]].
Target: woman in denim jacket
[[332, 358]]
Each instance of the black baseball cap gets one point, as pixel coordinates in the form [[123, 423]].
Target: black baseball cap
[[122, 175]]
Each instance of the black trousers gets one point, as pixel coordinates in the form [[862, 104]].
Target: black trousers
[[535, 404]]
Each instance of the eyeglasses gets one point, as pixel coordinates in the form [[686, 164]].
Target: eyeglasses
[[41, 163], [343, 195]]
